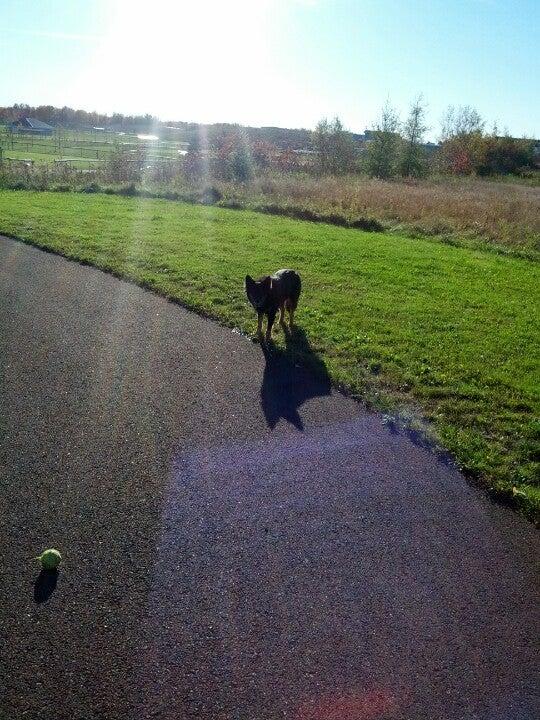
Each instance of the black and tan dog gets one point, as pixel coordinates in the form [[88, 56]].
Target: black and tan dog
[[269, 294]]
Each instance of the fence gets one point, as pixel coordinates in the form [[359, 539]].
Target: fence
[[55, 149], [85, 149], [141, 164]]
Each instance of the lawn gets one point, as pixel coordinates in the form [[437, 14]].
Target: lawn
[[40, 158], [71, 144], [440, 337]]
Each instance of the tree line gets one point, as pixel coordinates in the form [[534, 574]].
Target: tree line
[[395, 148], [66, 117], [70, 118], [390, 148]]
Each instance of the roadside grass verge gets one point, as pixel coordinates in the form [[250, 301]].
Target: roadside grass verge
[[424, 331]]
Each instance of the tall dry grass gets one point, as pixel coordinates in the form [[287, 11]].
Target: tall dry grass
[[505, 213]]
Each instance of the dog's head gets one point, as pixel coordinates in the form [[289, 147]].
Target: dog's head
[[257, 290]]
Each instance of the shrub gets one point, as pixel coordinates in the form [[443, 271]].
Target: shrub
[[232, 160], [128, 190], [193, 166], [210, 196], [263, 153], [92, 187], [504, 155], [369, 224], [241, 165], [124, 166]]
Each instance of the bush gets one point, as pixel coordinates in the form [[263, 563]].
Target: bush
[[128, 190], [92, 187], [124, 166], [474, 152], [210, 196], [263, 153], [505, 155], [241, 165], [232, 160], [193, 166], [369, 224]]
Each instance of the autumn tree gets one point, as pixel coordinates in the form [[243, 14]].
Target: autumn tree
[[461, 139]]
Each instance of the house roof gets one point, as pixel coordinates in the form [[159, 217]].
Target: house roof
[[34, 123]]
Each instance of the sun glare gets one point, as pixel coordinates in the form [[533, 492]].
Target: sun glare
[[182, 59]]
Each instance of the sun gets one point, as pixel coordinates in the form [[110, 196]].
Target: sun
[[182, 59]]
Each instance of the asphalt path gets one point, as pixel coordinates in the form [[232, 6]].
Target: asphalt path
[[240, 542]]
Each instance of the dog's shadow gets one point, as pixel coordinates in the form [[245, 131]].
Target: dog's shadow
[[292, 375], [45, 585]]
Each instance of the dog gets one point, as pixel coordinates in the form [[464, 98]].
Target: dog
[[271, 293]]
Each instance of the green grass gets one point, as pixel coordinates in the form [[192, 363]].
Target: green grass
[[423, 329], [48, 158], [79, 145]]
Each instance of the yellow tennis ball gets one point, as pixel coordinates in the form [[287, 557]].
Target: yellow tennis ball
[[50, 559]]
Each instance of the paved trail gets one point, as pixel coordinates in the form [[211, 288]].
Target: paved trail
[[240, 542]]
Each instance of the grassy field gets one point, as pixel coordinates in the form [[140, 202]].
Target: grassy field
[[425, 330], [42, 158], [81, 146]]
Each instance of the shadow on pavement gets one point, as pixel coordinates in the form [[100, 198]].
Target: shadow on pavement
[[45, 585], [291, 376]]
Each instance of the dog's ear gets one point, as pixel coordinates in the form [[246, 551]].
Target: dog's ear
[[249, 281], [267, 282]]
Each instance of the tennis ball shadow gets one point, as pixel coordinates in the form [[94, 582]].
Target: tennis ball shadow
[[45, 585]]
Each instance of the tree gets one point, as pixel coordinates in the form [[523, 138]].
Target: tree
[[504, 155], [336, 151], [461, 138], [466, 148], [262, 153], [462, 121], [233, 160], [383, 144], [412, 162]]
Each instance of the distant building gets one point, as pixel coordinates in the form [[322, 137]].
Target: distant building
[[31, 126]]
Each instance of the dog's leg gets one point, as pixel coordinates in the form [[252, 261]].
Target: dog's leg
[[282, 316], [259, 325], [291, 316], [271, 318]]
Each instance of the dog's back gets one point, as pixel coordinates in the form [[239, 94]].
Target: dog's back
[[286, 287]]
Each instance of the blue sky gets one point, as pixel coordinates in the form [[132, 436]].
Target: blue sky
[[275, 62]]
